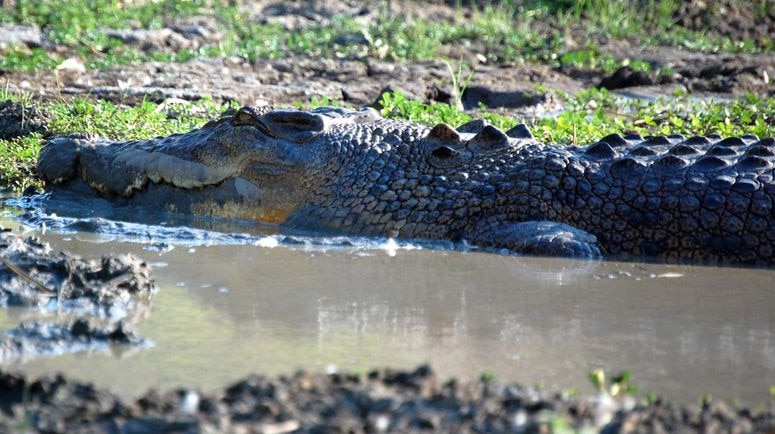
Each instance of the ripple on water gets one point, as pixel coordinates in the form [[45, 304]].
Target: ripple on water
[[162, 238]]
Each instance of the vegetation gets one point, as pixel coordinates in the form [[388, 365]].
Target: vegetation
[[618, 385], [540, 30], [588, 113]]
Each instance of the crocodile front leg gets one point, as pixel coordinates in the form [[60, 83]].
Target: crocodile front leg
[[541, 238]]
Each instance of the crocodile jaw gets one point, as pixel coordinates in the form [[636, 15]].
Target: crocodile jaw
[[221, 171]]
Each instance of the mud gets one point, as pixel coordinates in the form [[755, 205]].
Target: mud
[[35, 339], [726, 18], [81, 304], [381, 401], [19, 120], [34, 275]]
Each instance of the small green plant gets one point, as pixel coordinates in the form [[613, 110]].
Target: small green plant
[[590, 58], [397, 106], [25, 98], [619, 385], [323, 101], [459, 84], [558, 424], [487, 376]]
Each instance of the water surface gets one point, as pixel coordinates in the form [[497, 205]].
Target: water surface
[[224, 310]]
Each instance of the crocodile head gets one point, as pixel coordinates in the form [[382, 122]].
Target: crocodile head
[[256, 165]]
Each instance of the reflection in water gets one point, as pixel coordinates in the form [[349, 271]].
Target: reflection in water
[[226, 310]]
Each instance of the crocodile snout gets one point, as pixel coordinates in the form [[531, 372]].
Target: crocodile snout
[[58, 160]]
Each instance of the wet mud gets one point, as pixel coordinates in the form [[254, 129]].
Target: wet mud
[[19, 120], [79, 304], [380, 401]]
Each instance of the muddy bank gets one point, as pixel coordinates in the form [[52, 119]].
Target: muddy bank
[[360, 82], [381, 401], [19, 120], [360, 77], [73, 304], [34, 275]]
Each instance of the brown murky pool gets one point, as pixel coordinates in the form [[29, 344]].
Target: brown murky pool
[[225, 310]]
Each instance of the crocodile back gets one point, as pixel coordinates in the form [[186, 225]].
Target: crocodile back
[[706, 199]]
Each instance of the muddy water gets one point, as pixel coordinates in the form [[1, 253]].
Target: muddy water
[[223, 311]]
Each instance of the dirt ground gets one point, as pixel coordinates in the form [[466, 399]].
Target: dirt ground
[[521, 88], [409, 401]]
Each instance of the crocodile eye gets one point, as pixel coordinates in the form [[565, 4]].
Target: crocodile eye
[[243, 117], [250, 116], [445, 152], [246, 116]]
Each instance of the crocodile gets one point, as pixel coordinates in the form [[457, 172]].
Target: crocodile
[[334, 171]]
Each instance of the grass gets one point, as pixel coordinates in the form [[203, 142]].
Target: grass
[[17, 162], [594, 111], [541, 31], [144, 120], [77, 25]]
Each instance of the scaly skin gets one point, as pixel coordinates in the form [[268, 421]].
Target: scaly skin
[[333, 171]]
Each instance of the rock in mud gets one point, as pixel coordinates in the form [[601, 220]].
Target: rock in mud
[[728, 18], [43, 339], [32, 274], [477, 96], [626, 77], [19, 120], [190, 34], [726, 74]]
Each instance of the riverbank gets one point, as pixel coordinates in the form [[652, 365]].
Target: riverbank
[[380, 401]]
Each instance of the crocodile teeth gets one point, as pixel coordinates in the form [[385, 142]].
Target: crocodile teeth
[[159, 167]]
